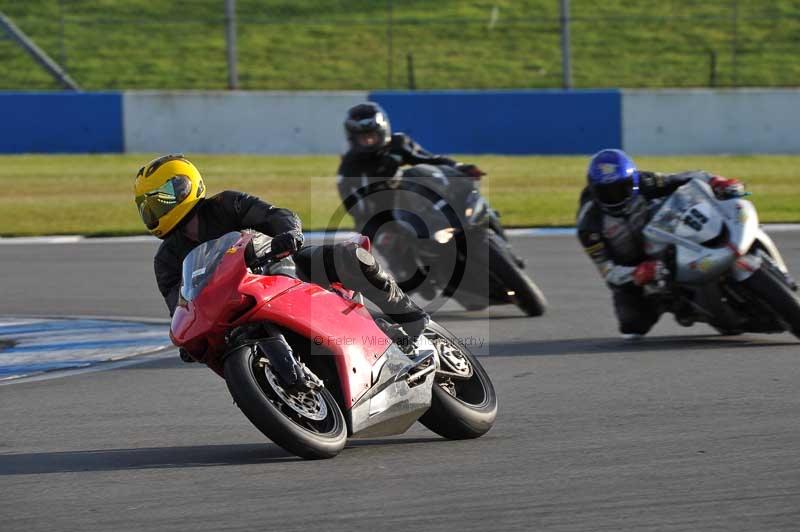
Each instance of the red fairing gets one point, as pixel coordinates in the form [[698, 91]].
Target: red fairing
[[235, 296], [344, 327]]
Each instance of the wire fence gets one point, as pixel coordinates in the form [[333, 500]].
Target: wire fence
[[406, 44]]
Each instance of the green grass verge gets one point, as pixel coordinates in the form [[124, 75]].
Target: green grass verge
[[344, 44], [93, 194]]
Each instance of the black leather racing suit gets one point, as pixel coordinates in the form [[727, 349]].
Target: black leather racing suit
[[358, 170], [616, 245], [344, 262], [227, 211]]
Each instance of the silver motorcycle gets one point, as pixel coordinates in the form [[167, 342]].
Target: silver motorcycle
[[722, 268]]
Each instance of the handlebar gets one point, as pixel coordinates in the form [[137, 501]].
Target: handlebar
[[268, 258]]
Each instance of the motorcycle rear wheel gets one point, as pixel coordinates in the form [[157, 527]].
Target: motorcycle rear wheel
[[460, 409], [777, 296], [279, 415]]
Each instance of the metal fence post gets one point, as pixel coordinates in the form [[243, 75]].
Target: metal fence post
[[566, 68], [230, 41], [62, 34], [389, 45], [39, 55], [412, 82], [735, 43], [712, 68]]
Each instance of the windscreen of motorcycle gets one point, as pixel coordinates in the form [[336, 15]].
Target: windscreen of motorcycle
[[689, 214], [200, 264]]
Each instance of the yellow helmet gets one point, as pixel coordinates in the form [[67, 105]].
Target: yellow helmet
[[166, 190]]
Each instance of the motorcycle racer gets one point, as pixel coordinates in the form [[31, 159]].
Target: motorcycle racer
[[376, 154], [171, 198], [615, 206]]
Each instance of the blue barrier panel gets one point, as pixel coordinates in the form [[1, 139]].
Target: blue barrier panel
[[60, 122], [507, 122]]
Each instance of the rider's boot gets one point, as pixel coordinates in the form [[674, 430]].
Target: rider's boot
[[377, 285]]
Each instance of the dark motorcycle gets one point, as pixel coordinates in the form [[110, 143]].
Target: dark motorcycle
[[445, 238]]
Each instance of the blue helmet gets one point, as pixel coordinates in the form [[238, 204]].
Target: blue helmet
[[613, 180]]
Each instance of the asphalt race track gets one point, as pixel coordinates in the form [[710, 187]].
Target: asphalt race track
[[685, 430]]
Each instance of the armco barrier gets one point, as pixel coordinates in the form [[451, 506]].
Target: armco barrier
[[511, 122], [60, 122], [669, 122], [507, 122]]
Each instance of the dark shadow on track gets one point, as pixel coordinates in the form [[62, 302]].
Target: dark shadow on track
[[392, 441], [146, 458], [589, 346], [166, 457]]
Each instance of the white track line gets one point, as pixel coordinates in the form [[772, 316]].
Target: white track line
[[523, 232]]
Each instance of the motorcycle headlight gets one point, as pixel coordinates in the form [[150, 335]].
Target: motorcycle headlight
[[443, 236], [476, 209]]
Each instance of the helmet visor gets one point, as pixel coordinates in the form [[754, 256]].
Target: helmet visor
[[155, 204], [369, 139], [614, 195]]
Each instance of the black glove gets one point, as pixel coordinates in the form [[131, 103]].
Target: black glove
[[287, 243], [470, 169]]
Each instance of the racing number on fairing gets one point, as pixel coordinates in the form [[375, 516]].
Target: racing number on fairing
[[695, 219]]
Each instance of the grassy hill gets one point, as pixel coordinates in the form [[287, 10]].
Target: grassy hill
[[93, 194], [339, 44]]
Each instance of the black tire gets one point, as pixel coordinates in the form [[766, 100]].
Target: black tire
[[777, 296], [262, 406], [472, 412], [527, 296], [727, 332]]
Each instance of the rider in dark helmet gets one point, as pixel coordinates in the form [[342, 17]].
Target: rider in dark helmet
[[617, 203], [367, 128], [170, 195], [375, 155]]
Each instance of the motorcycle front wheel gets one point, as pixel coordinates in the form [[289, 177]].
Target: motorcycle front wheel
[[777, 296], [522, 290], [464, 403], [309, 424]]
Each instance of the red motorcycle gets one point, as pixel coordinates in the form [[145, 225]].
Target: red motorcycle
[[309, 366]]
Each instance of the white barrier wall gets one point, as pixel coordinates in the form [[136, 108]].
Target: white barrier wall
[[695, 121], [236, 122], [652, 122]]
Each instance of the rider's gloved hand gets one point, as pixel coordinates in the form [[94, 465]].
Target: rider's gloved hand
[[287, 243], [470, 170], [649, 271], [725, 187]]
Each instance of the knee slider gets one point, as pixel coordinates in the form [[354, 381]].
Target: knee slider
[[351, 255], [352, 262]]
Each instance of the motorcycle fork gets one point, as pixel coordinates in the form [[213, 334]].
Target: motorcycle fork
[[275, 350]]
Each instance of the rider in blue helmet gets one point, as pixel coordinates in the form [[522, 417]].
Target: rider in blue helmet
[[616, 204], [614, 180]]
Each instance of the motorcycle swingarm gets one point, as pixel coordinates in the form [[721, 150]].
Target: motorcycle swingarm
[[711, 305]]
